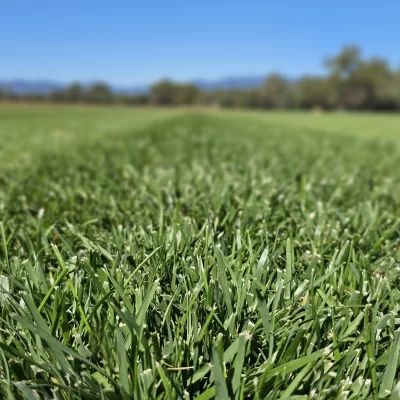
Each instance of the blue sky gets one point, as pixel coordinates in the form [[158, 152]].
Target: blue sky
[[137, 42]]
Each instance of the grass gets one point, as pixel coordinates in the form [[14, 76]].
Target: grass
[[156, 254]]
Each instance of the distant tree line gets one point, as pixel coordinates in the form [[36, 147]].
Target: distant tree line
[[351, 83]]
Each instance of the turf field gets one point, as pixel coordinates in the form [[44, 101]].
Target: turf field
[[164, 254]]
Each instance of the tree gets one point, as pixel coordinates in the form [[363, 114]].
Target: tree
[[248, 98], [6, 94], [163, 93], [186, 94], [310, 92], [74, 93], [99, 93], [274, 92], [345, 63], [132, 99], [372, 79], [393, 91]]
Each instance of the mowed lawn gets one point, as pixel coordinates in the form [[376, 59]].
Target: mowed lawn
[[164, 254]]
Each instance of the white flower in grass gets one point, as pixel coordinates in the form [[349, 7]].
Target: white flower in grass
[[327, 350], [246, 334], [22, 303], [268, 179], [251, 324]]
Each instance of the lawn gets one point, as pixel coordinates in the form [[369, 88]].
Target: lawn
[[164, 254]]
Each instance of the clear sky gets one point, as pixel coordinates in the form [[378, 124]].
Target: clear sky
[[137, 42]]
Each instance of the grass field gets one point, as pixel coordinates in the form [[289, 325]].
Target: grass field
[[189, 254]]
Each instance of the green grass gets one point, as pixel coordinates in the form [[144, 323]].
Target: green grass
[[172, 254], [339, 123]]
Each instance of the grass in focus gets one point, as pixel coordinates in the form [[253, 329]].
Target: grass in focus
[[157, 254]]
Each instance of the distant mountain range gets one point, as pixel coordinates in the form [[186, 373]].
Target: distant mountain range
[[239, 82], [23, 86]]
